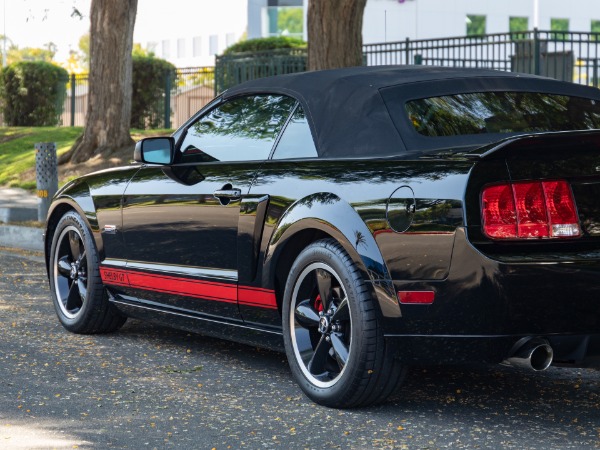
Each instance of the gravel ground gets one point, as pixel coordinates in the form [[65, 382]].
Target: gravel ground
[[151, 387]]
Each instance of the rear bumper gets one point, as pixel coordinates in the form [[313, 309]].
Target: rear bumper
[[486, 305], [569, 350]]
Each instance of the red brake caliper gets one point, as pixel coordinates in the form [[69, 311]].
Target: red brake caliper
[[318, 303]]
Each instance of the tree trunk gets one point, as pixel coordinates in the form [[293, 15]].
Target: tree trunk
[[109, 101], [335, 33]]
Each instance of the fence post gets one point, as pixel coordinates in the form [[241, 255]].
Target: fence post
[[167, 100], [407, 51], [72, 99], [536, 49], [46, 173]]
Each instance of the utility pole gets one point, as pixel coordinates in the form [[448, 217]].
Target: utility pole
[[536, 13]]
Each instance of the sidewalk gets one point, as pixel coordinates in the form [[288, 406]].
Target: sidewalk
[[16, 206]]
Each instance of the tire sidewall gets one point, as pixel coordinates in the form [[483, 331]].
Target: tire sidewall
[[78, 322], [345, 385]]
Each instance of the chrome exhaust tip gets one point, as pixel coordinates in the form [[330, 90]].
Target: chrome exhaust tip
[[531, 353]]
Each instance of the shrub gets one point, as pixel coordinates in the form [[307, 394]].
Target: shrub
[[148, 93], [264, 44], [33, 93]]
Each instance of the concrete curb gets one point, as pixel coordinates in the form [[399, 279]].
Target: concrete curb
[[26, 238]]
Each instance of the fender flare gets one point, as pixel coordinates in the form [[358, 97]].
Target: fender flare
[[335, 217], [75, 196]]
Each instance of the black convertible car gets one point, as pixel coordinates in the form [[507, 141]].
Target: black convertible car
[[362, 219]]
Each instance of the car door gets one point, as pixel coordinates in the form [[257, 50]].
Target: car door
[[180, 222]]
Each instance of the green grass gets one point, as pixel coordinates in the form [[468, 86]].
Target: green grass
[[17, 152]]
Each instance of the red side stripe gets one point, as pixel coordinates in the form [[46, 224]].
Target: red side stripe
[[264, 298], [208, 290]]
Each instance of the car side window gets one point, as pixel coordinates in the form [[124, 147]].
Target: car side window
[[242, 129], [296, 140]]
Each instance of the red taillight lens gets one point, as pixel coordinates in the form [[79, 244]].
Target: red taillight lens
[[561, 209], [532, 217], [529, 210], [499, 214]]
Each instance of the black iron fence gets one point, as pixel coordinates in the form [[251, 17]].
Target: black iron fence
[[185, 92], [567, 56], [237, 68]]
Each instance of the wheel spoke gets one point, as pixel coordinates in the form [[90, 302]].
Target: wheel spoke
[[324, 286], [82, 257], [64, 266], [342, 312], [316, 365], [81, 286], [306, 315], [74, 298], [340, 349], [74, 245]]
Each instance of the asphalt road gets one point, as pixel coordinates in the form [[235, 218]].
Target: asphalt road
[[151, 387]]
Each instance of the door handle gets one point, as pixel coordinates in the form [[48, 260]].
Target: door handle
[[231, 194], [227, 194]]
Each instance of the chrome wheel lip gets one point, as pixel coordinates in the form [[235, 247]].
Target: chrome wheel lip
[[294, 300], [59, 279]]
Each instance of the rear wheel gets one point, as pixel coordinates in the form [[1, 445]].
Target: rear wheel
[[80, 300], [334, 344]]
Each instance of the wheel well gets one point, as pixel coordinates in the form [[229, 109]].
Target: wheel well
[[53, 220], [288, 255]]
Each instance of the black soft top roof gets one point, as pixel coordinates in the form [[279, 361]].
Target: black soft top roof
[[347, 112]]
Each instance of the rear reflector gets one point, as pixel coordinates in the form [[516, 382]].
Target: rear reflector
[[416, 297], [529, 210]]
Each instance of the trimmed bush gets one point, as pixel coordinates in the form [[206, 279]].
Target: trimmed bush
[[265, 44], [33, 93], [148, 93]]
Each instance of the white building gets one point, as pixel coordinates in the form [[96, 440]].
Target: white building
[[190, 33], [396, 20]]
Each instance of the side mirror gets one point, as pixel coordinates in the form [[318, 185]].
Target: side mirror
[[155, 150]]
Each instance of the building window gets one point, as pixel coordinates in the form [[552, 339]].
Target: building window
[[475, 25], [516, 24], [285, 21], [560, 27], [152, 47], [229, 39], [166, 49], [197, 46], [213, 44], [181, 48]]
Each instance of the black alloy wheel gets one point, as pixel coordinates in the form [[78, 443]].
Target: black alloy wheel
[[320, 324], [70, 272], [333, 340], [80, 300]]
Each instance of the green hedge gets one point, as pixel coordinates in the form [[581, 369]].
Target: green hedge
[[33, 93], [265, 44], [148, 93]]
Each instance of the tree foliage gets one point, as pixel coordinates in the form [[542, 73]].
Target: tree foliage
[[33, 93], [265, 44], [149, 83]]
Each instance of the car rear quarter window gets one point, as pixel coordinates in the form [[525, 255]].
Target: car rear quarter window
[[296, 140], [501, 112], [241, 129]]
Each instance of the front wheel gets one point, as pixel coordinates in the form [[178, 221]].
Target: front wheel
[[80, 300], [334, 344]]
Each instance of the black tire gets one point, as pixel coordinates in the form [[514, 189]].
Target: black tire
[[79, 297], [332, 333]]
